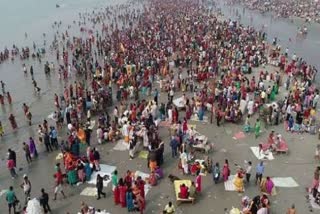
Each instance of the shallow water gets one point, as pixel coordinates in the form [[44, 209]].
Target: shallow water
[[35, 17], [283, 29]]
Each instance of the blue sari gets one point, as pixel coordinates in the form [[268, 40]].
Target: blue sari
[[129, 200]]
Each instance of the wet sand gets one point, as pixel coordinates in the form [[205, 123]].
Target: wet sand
[[299, 163]]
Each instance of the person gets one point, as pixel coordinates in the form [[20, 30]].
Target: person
[[13, 122], [198, 181], [269, 186], [263, 209], [292, 209], [257, 127], [174, 146], [259, 171], [122, 192], [11, 167], [132, 144], [99, 186], [152, 179], [238, 182], [141, 203], [46, 140], [114, 179], [9, 98], [169, 208], [254, 206], [116, 195], [12, 156], [192, 190], [216, 173], [54, 137], [129, 200], [96, 158], [27, 152], [184, 162], [248, 171], [44, 201], [183, 194], [226, 170], [26, 186], [58, 184], [33, 148], [11, 200], [84, 208]]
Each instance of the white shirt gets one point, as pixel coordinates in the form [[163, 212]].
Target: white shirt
[[248, 169]]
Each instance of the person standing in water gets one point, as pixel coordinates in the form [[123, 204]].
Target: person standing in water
[[13, 122], [9, 98]]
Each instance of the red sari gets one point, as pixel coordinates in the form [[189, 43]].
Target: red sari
[[198, 183], [123, 191], [116, 195]]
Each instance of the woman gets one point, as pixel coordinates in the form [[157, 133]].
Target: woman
[[290, 123], [33, 148], [216, 173], [253, 207], [122, 192], [198, 182], [129, 200], [81, 173], [257, 128], [238, 182], [226, 171], [152, 179], [269, 186]]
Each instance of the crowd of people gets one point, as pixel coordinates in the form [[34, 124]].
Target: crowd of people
[[212, 62], [306, 9]]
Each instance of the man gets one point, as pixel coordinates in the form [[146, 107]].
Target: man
[[248, 171], [184, 162], [11, 199], [88, 134], [169, 208], [58, 184], [292, 210], [174, 146], [47, 143], [132, 144], [259, 171], [26, 186], [44, 201], [99, 186], [27, 152], [54, 137]]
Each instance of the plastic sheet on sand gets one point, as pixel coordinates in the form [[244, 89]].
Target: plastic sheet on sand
[[89, 191], [284, 182], [34, 207], [262, 155], [105, 170], [312, 203], [143, 154], [228, 185], [121, 146]]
